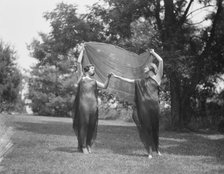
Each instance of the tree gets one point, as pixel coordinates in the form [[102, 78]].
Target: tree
[[10, 79], [52, 80], [50, 85], [192, 55]]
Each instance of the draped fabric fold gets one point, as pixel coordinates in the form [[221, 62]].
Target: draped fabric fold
[[146, 114], [109, 58]]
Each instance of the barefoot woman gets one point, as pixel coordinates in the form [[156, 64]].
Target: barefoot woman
[[147, 111], [85, 114]]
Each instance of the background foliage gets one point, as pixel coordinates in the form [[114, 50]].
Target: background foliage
[[193, 55], [10, 80]]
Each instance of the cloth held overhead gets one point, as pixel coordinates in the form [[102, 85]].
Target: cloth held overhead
[[108, 58]]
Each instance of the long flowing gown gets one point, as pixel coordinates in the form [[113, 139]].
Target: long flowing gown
[[85, 113], [147, 112]]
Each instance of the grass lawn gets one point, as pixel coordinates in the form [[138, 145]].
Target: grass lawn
[[47, 145]]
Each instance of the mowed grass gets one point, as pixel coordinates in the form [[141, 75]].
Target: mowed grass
[[48, 145]]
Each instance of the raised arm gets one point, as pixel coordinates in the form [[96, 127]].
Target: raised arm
[[80, 77], [124, 79], [80, 67], [80, 61], [159, 73], [104, 85]]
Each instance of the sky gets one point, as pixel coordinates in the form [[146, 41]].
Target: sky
[[21, 20]]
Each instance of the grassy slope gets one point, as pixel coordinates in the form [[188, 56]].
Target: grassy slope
[[48, 145]]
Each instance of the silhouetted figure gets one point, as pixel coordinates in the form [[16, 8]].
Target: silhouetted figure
[[146, 115], [85, 113]]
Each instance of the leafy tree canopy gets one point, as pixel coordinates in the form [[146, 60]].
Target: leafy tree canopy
[[10, 78]]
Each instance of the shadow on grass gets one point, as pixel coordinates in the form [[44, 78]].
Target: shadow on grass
[[125, 140], [67, 149], [52, 128], [193, 144]]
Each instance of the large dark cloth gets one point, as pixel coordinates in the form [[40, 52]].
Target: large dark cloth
[[110, 58], [85, 113], [146, 113]]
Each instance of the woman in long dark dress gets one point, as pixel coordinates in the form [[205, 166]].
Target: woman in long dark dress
[[146, 115], [85, 114]]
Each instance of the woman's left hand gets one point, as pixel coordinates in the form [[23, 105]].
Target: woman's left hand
[[109, 75]]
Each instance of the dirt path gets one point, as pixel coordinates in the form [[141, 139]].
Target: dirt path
[[48, 145]]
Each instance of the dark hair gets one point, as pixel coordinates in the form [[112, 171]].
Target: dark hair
[[87, 67], [153, 67]]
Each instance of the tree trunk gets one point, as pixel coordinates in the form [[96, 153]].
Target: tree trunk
[[176, 115], [186, 110]]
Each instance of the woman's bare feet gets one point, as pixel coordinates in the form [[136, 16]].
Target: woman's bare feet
[[89, 149], [150, 153], [149, 156], [85, 151]]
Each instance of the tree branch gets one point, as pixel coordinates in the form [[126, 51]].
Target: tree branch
[[220, 78], [214, 25], [196, 23], [199, 9], [157, 11], [204, 53], [183, 18]]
